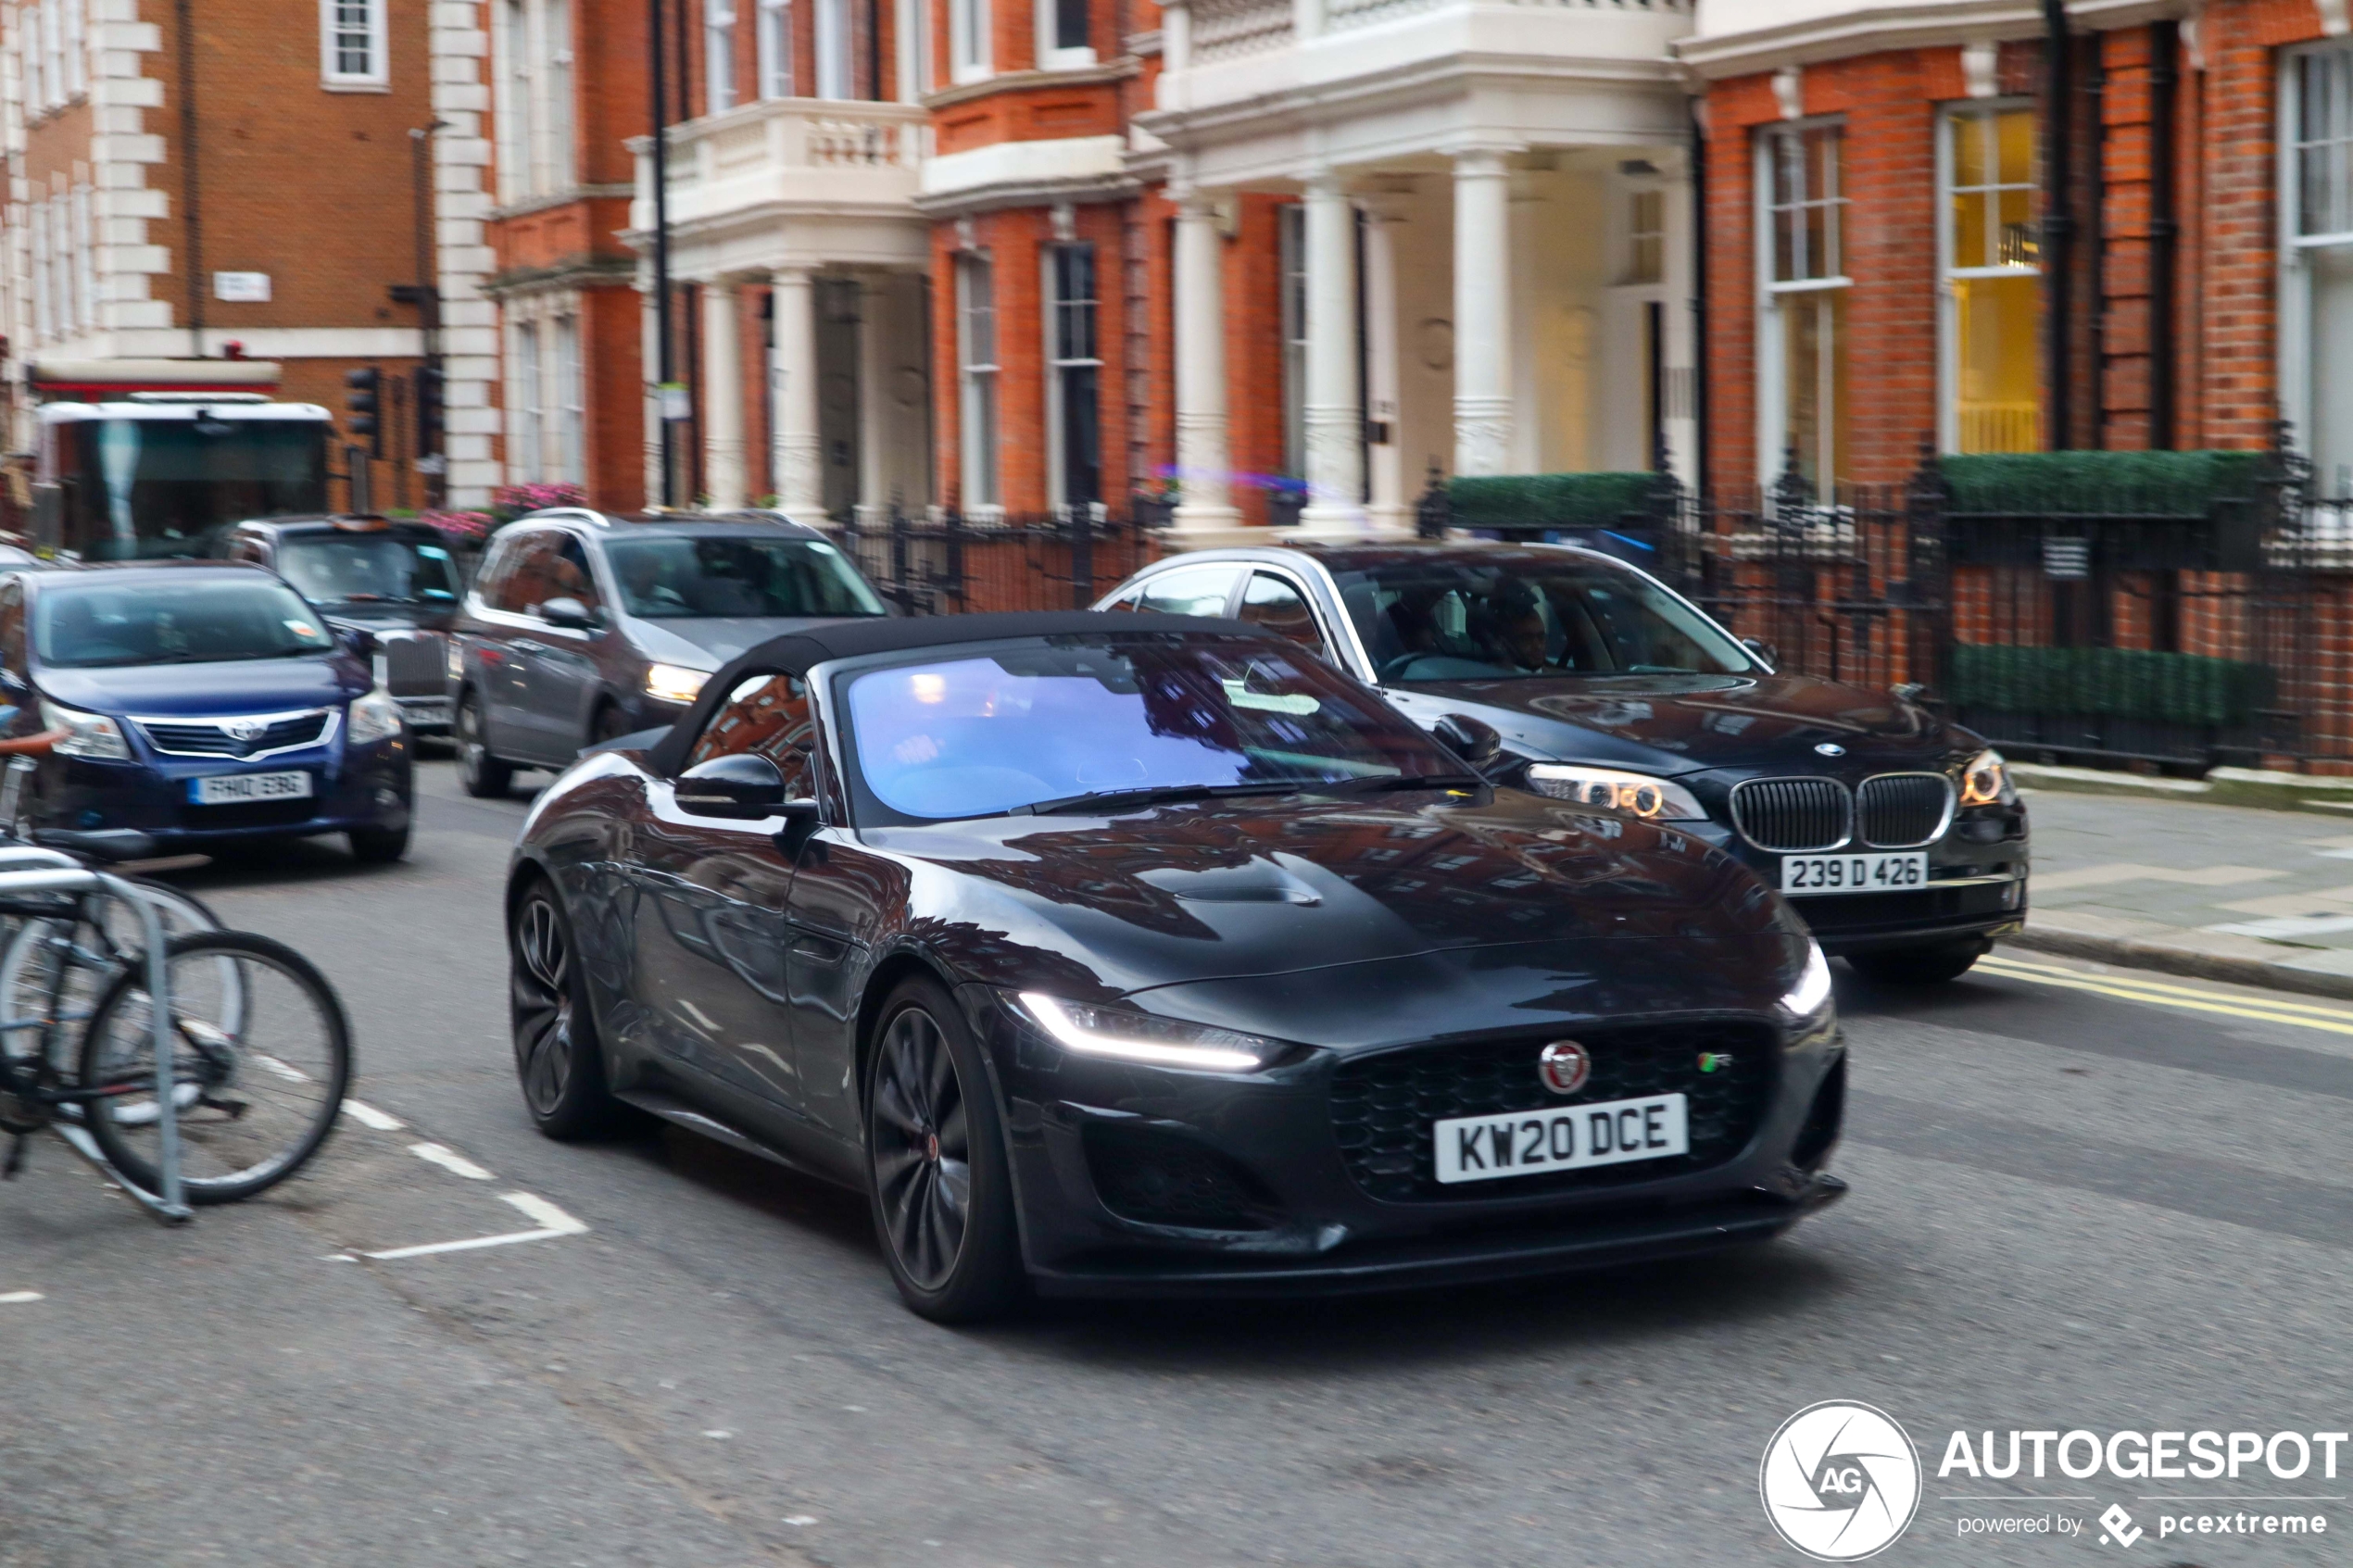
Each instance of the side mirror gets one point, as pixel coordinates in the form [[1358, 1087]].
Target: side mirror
[[1474, 741], [361, 641], [745, 786], [1764, 650], [570, 614]]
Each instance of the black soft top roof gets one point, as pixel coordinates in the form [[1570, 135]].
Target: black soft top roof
[[797, 653]]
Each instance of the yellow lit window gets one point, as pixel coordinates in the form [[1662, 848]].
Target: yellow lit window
[[1993, 274]]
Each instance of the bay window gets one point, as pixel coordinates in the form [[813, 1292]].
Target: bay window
[[1074, 372], [1803, 363], [776, 49], [1991, 256], [718, 55], [977, 371], [2316, 293]]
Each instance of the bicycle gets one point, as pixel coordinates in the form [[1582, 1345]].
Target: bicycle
[[227, 1089]]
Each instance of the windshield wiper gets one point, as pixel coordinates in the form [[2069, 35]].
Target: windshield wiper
[[1146, 795], [1400, 781]]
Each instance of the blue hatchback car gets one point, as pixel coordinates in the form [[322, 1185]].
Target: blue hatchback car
[[201, 703]]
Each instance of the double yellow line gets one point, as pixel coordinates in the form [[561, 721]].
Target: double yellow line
[[2303, 1015]]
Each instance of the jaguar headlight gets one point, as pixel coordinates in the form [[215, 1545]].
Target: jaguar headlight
[[375, 717], [88, 734], [1637, 795], [1088, 1030], [674, 683], [1986, 781], [1811, 993]]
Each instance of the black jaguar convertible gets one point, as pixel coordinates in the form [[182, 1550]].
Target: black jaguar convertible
[[1114, 955]]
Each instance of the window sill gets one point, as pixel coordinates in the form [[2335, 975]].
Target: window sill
[[331, 85]]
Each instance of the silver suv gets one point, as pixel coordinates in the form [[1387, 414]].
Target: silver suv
[[583, 626]]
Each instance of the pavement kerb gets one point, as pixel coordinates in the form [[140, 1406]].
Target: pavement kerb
[[2323, 795], [2170, 958]]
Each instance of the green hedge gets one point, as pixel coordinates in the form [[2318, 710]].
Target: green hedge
[[2171, 688], [2159, 484], [1549, 500]]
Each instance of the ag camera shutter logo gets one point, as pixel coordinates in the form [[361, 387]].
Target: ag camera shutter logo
[[1840, 1481]]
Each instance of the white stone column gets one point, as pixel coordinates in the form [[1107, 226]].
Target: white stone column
[[1201, 461], [648, 344], [799, 455], [1482, 311], [1333, 405], [722, 421], [874, 395], [1390, 511]]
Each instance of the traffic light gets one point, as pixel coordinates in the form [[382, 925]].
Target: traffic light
[[429, 408], [365, 401]]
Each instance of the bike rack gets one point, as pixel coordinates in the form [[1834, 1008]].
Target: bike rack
[[26, 868]]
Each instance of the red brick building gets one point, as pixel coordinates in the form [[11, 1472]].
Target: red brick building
[[252, 184], [1900, 245]]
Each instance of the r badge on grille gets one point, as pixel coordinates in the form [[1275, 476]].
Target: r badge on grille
[[243, 730], [1564, 1066]]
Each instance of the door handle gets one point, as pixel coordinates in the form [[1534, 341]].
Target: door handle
[[526, 645]]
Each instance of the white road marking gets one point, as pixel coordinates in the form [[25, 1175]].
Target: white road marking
[[546, 1213], [449, 1160], [20, 1298], [368, 1116], [291, 1074], [553, 1223]]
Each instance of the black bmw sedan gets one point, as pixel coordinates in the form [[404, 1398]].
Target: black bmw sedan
[[1116, 956], [1898, 836]]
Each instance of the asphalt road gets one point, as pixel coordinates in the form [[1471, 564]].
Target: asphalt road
[[2079, 1202]]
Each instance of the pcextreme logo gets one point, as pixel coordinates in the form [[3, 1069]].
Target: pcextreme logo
[[1840, 1481]]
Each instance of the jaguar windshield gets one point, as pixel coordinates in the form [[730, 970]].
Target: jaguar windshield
[[689, 577], [1528, 613], [188, 621], [1061, 723], [348, 569]]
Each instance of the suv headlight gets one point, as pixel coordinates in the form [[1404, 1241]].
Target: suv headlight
[[1637, 795], [1986, 781], [373, 718], [674, 683], [1136, 1036], [92, 734]]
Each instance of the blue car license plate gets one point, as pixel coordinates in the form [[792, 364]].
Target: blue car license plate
[[232, 789]]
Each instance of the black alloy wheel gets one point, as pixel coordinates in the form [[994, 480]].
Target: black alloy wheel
[[938, 1172], [485, 776], [557, 1060]]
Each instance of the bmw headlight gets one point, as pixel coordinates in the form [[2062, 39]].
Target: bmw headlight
[[88, 734], [1810, 995], [1986, 781], [1637, 795], [374, 718], [674, 683], [1135, 1037]]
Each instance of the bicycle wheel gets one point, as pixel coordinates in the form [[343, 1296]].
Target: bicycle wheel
[[55, 967], [254, 1100]]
